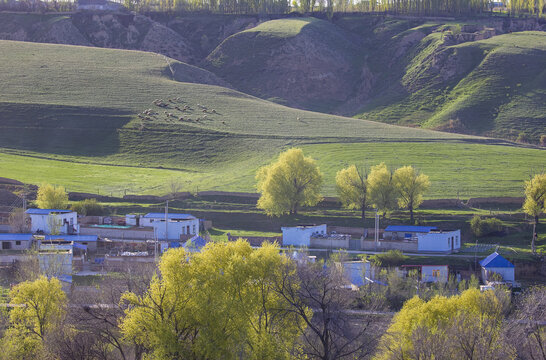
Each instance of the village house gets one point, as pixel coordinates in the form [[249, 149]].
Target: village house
[[429, 273], [497, 264], [53, 221], [416, 239], [177, 227]]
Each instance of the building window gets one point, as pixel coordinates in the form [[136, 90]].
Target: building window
[[436, 273], [193, 228], [17, 242]]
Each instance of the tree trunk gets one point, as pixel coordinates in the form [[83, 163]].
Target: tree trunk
[[363, 214], [411, 214]]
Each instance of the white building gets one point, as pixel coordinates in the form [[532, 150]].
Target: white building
[[430, 273], [496, 264], [53, 221], [428, 238], [439, 241], [177, 225], [301, 235]]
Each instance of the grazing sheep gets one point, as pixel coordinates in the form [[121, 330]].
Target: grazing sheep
[[223, 122], [181, 119], [213, 111]]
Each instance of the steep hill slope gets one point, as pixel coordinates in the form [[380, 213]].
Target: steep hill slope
[[304, 62], [494, 87], [89, 118]]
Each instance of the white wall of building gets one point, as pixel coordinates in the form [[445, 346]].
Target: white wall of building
[[64, 221], [175, 228], [300, 235], [434, 273], [439, 241], [506, 273]]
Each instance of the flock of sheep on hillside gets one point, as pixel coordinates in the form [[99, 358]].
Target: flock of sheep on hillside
[[171, 103]]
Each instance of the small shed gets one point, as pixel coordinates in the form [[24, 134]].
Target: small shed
[[497, 264], [301, 235]]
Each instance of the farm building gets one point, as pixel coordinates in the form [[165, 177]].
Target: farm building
[[301, 235], [177, 226], [497, 264], [427, 239], [48, 221], [15, 241], [430, 273]]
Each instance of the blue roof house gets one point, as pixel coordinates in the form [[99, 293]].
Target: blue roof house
[[497, 264], [195, 244], [48, 221]]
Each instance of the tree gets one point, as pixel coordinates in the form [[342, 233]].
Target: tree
[[381, 190], [329, 332], [38, 308], [219, 303], [466, 326], [535, 200], [52, 197], [411, 185], [18, 221], [526, 328], [289, 183], [88, 207], [352, 188]]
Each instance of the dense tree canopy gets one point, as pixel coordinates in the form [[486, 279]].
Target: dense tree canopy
[[352, 188], [411, 185], [466, 326], [51, 197], [38, 308], [217, 304], [294, 180], [381, 189]]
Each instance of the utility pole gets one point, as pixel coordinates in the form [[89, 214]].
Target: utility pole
[[376, 232], [167, 220]]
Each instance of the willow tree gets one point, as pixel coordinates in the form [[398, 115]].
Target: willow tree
[[381, 189], [220, 303], [411, 185], [352, 188], [289, 183], [535, 200]]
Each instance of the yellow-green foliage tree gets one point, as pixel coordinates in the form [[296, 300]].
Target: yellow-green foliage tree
[[535, 196], [410, 185], [39, 307], [217, 304], [466, 326], [292, 181], [52, 197], [381, 189], [535, 200], [352, 188]]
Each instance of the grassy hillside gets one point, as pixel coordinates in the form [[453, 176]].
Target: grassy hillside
[[493, 87], [303, 62], [70, 115]]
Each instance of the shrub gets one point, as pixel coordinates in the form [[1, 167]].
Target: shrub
[[543, 140], [523, 138], [390, 258], [482, 227], [88, 207]]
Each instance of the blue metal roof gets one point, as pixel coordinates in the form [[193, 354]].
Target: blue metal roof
[[496, 260], [409, 228], [196, 242], [16, 237], [46, 211], [170, 216], [75, 238]]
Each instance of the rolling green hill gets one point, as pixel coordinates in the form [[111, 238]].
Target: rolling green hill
[[85, 118]]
